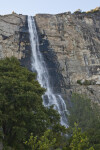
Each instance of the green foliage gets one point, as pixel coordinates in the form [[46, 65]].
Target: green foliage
[[21, 108], [22, 113], [86, 82], [45, 142], [79, 82], [87, 115], [79, 140]]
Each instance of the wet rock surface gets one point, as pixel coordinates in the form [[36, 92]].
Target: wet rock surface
[[70, 44]]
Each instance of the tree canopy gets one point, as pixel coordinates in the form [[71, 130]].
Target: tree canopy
[[23, 116], [21, 107]]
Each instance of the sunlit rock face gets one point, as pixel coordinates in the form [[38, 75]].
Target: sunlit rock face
[[70, 44], [14, 38]]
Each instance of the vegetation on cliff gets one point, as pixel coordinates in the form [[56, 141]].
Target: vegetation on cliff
[[25, 124]]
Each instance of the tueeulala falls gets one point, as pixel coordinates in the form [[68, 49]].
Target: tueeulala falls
[[39, 66]]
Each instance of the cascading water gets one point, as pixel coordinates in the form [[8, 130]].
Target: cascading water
[[39, 65]]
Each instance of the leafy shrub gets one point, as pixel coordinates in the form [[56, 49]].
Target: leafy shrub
[[86, 82], [87, 115]]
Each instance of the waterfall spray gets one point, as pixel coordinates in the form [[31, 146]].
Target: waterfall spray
[[39, 66]]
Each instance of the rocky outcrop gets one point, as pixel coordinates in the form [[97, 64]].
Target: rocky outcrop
[[14, 38], [70, 44]]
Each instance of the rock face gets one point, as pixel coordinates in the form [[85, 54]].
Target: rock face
[[14, 38], [70, 44]]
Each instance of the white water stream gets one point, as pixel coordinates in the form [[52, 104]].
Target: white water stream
[[39, 66]]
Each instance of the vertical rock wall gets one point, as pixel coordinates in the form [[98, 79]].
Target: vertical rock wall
[[70, 44], [14, 38]]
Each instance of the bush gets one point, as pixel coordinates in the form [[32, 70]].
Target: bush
[[86, 82]]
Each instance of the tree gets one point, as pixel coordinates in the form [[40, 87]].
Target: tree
[[79, 140], [21, 107], [45, 142], [87, 115]]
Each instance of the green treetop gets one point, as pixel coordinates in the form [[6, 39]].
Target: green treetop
[[21, 107]]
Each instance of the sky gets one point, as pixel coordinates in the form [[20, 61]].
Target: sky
[[32, 7]]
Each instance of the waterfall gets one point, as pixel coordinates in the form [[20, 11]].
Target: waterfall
[[39, 66]]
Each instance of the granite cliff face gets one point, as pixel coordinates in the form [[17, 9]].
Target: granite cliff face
[[71, 47], [14, 38], [70, 44]]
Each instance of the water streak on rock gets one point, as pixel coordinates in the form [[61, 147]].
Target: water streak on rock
[[39, 66]]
